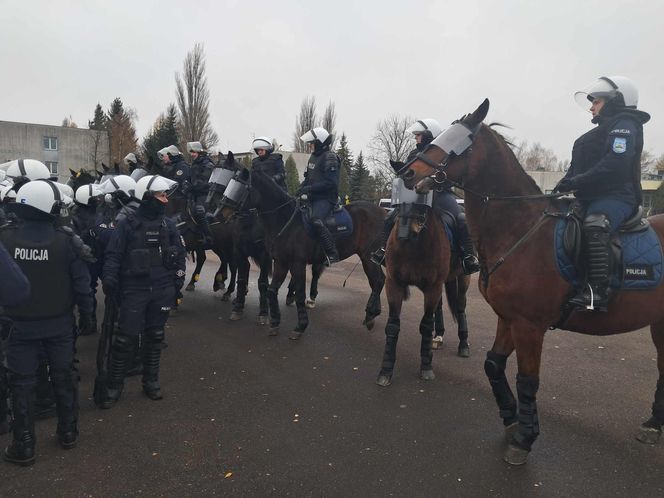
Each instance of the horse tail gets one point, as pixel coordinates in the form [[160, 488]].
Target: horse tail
[[452, 295]]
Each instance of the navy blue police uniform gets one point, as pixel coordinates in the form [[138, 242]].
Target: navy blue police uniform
[[145, 263], [197, 189], [44, 323], [272, 164], [177, 170]]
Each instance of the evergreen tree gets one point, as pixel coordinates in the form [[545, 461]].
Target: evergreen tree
[[122, 133], [99, 124], [360, 180], [346, 157], [163, 133], [99, 121], [292, 176]]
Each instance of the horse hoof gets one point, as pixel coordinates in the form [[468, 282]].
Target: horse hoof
[[290, 300], [464, 350], [369, 323], [510, 430], [310, 304], [648, 435], [226, 297], [294, 335], [235, 316], [274, 331], [515, 455], [427, 375], [384, 380], [261, 320], [190, 288]]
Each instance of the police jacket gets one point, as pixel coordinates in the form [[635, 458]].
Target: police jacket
[[83, 220], [58, 278], [200, 172], [14, 285], [606, 161], [177, 170], [145, 252], [321, 180], [273, 166]]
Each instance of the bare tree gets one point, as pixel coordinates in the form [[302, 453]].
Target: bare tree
[[648, 163], [304, 122], [536, 157], [68, 122], [328, 121], [390, 142], [193, 100]]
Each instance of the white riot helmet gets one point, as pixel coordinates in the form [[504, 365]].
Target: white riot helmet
[[262, 143], [152, 184], [7, 192], [317, 135], [612, 88], [86, 192], [122, 183], [171, 150], [130, 159], [195, 147], [43, 195], [428, 127], [28, 168]]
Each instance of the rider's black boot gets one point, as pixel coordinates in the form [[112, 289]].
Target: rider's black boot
[[378, 256], [595, 295], [469, 260], [325, 238]]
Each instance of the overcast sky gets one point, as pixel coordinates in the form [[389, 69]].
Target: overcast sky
[[434, 59]]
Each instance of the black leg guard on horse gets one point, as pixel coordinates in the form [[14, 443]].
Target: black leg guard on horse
[[326, 241], [203, 224], [378, 256], [494, 367], [123, 349], [21, 451], [154, 339], [392, 329], [526, 388], [657, 419], [372, 308], [468, 258], [275, 313], [426, 354], [263, 298], [65, 387]]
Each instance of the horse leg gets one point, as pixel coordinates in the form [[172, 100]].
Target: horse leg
[[290, 295], [316, 271], [220, 276], [265, 267], [494, 368], [299, 273], [651, 430], [462, 282], [395, 296], [376, 279], [200, 259], [232, 268], [438, 325], [278, 277], [431, 300], [528, 339], [242, 281]]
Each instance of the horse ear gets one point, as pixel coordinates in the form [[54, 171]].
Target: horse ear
[[73, 173], [479, 114], [397, 165], [230, 157], [104, 167]]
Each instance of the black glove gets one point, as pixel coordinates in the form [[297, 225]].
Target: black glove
[[110, 286], [565, 185]]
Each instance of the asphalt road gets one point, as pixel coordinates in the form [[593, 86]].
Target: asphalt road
[[250, 415]]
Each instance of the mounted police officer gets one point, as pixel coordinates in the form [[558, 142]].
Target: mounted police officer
[[268, 161], [605, 176], [145, 267], [444, 201], [321, 186], [59, 279], [173, 165], [135, 166], [197, 187]]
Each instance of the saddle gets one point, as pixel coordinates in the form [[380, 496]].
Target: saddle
[[636, 256], [338, 222], [413, 218]]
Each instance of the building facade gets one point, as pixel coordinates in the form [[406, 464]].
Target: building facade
[[60, 148]]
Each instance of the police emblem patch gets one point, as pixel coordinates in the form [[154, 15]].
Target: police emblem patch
[[619, 145], [179, 273], [179, 172]]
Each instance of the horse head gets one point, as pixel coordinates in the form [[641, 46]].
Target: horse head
[[447, 157], [237, 191], [80, 178]]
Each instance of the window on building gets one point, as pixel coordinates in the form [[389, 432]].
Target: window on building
[[50, 143], [52, 166]]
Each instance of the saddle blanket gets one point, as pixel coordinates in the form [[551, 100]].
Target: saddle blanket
[[640, 266], [339, 223]]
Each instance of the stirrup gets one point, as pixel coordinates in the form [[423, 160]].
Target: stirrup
[[470, 264], [378, 256]]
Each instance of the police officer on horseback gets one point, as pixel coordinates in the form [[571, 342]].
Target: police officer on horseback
[[268, 161], [605, 176], [173, 165], [145, 268], [444, 201], [47, 256], [197, 187], [321, 187]]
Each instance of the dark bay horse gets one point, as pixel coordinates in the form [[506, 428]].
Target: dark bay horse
[[520, 279], [292, 249]]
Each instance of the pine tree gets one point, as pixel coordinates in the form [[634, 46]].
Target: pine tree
[[122, 133], [292, 175], [360, 180], [99, 124], [346, 157], [163, 133], [99, 121]]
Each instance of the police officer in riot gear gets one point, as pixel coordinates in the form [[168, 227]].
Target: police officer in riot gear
[[144, 267], [425, 130], [135, 166], [197, 187], [173, 165], [321, 186], [268, 161], [59, 280], [605, 176]]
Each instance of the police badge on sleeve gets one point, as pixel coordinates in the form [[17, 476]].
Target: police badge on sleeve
[[619, 145]]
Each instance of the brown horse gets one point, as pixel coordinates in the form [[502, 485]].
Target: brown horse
[[505, 213], [425, 262]]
